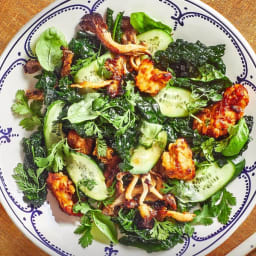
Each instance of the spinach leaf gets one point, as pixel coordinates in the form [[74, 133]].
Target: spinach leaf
[[55, 159], [82, 111], [105, 225], [142, 23], [93, 217], [239, 135], [48, 49], [186, 58]]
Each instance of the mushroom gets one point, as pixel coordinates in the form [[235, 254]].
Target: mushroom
[[94, 23], [179, 216]]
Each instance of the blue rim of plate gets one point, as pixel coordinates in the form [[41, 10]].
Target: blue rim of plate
[[6, 134]]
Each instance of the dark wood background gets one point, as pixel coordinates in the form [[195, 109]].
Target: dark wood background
[[15, 13]]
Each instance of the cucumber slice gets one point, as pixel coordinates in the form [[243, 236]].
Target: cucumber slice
[[209, 180], [52, 129], [155, 39], [173, 100], [81, 168], [144, 159], [89, 72]]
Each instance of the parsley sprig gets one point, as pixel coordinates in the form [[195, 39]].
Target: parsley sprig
[[29, 110]]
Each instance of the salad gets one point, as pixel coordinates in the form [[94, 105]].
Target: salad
[[131, 131]]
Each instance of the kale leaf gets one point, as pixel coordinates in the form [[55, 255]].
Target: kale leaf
[[84, 45], [30, 179], [185, 58], [163, 235]]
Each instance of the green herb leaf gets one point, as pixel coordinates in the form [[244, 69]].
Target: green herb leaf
[[142, 23], [56, 158], [203, 216], [85, 230], [105, 225], [28, 182], [220, 205], [82, 111], [83, 208], [101, 147], [30, 111], [162, 230], [48, 49]]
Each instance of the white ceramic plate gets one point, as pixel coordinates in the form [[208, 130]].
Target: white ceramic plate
[[47, 226]]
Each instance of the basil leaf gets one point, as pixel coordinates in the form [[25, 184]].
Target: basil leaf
[[105, 225], [142, 23], [48, 49], [82, 111], [239, 136]]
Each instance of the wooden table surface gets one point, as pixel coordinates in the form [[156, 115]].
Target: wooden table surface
[[15, 13]]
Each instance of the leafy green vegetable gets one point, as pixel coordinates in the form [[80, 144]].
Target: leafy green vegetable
[[207, 148], [149, 132], [56, 159], [111, 195], [80, 63], [163, 229], [220, 205], [82, 111], [105, 225], [142, 23], [31, 180], [91, 216], [82, 208], [48, 49], [30, 111], [103, 72], [28, 182], [101, 147], [147, 239], [208, 73], [110, 19], [88, 183], [239, 135], [186, 58], [84, 45], [203, 216], [84, 230]]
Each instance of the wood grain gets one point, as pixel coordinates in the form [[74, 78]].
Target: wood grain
[[15, 13]]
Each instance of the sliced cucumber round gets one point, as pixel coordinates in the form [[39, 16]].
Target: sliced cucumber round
[[209, 180], [89, 73], [87, 176], [173, 101], [52, 128], [144, 159], [155, 39]]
